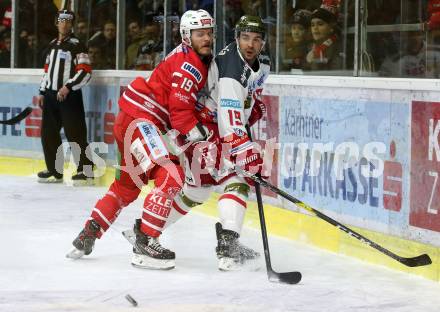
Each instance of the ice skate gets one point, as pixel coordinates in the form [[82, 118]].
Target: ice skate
[[232, 255], [49, 177], [148, 253], [81, 179], [84, 242]]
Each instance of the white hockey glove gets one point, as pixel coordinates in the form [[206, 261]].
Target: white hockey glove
[[198, 133]]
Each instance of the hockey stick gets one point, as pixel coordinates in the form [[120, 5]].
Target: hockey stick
[[420, 260], [285, 277], [17, 118]]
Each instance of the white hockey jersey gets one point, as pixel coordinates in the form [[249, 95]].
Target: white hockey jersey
[[230, 93]]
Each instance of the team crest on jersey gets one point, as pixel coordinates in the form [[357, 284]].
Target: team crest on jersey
[[192, 71], [239, 132]]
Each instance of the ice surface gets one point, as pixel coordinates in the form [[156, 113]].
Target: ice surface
[[38, 223]]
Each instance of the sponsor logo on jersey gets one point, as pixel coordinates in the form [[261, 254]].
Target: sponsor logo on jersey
[[62, 54], [224, 51], [153, 140], [192, 71], [205, 21], [141, 155], [230, 103], [244, 75], [182, 97], [149, 105], [239, 132]]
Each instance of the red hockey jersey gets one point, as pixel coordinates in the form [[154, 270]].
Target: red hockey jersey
[[167, 98]]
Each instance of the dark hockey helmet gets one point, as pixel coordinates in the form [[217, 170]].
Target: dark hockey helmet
[[65, 15], [250, 23]]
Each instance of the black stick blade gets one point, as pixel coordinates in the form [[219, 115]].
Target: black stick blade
[[17, 118], [285, 278], [417, 261]]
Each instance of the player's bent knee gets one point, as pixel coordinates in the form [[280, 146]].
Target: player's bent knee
[[196, 195], [124, 193]]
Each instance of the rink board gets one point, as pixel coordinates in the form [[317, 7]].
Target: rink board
[[288, 224], [397, 208]]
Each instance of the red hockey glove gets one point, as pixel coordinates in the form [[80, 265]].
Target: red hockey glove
[[250, 160], [257, 112]]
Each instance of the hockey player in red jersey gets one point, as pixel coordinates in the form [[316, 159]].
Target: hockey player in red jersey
[[231, 101], [149, 108]]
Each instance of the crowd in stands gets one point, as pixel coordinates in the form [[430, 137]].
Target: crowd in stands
[[314, 33], [315, 37]]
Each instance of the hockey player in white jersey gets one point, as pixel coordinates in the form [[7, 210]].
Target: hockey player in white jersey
[[230, 102]]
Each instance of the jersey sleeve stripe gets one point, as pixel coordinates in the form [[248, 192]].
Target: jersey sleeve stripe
[[148, 99], [86, 67], [145, 109]]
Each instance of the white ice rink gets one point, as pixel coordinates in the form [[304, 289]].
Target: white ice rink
[[38, 223]]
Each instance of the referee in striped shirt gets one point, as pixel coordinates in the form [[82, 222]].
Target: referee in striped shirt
[[66, 70]]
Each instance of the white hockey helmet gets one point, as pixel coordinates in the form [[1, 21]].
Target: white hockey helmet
[[194, 20]]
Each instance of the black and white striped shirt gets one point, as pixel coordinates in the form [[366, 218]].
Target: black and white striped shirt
[[67, 64]]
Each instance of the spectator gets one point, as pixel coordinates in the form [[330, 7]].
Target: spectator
[[5, 51], [270, 42], [416, 60], [137, 38], [175, 39], [233, 12], [150, 53], [326, 51], [103, 11], [95, 56], [33, 57], [22, 60], [6, 21], [299, 41], [81, 30], [30, 19], [151, 10], [134, 31], [106, 40]]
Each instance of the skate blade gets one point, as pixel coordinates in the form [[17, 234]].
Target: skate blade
[[231, 264], [88, 182], [50, 180], [75, 254], [146, 262], [130, 236]]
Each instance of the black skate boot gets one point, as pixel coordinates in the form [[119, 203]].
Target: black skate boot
[[81, 179], [46, 176], [231, 253], [148, 253], [85, 240]]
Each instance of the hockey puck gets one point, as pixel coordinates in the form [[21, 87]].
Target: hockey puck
[[131, 300]]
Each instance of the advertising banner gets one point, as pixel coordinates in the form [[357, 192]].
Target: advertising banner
[[346, 156], [425, 165], [100, 102]]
